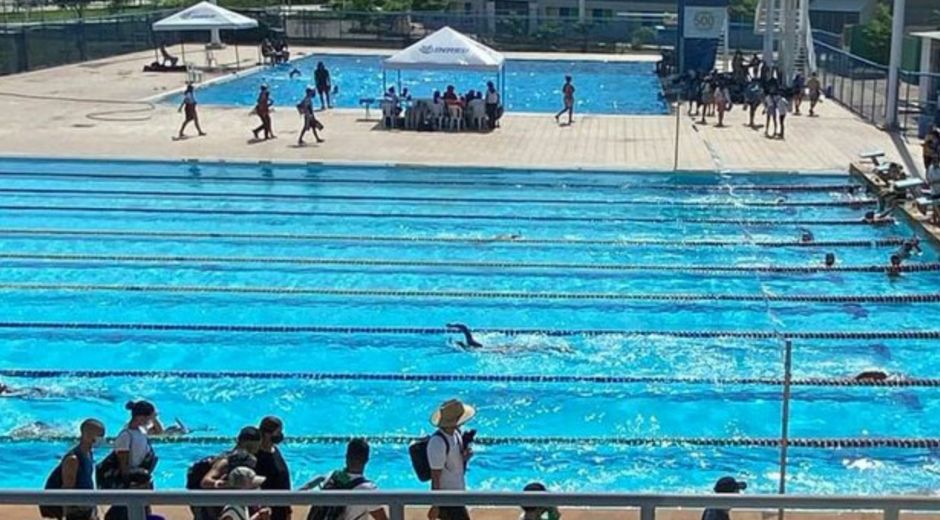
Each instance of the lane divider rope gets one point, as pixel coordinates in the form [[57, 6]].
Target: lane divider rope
[[436, 240], [465, 378], [442, 200], [561, 185], [421, 216], [495, 295], [418, 331], [161, 259], [756, 442]]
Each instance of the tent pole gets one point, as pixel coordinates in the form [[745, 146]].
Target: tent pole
[[399, 81], [183, 51], [237, 60], [384, 81]]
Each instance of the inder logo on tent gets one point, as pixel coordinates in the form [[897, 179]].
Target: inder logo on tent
[[198, 14], [431, 49]]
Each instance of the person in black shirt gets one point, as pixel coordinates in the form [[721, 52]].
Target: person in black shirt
[[724, 485], [321, 78], [271, 464]]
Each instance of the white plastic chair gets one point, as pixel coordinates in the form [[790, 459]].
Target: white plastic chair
[[477, 113], [455, 117], [193, 74], [437, 114]]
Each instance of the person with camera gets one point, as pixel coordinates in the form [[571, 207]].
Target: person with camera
[[449, 453]]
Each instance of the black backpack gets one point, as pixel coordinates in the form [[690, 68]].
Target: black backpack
[[198, 471], [54, 481], [194, 475], [334, 512], [418, 450]]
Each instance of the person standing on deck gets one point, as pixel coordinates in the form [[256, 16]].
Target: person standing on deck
[[567, 91], [189, 105]]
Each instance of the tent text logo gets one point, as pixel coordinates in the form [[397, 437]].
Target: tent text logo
[[198, 14], [431, 49]]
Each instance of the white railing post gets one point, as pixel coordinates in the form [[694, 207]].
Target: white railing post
[[396, 511], [648, 512]]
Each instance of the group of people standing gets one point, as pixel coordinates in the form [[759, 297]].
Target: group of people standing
[[754, 84], [264, 105], [255, 462]]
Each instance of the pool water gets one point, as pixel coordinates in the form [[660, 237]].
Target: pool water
[[531, 85], [320, 294]]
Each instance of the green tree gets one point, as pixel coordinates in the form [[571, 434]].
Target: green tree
[[742, 10], [78, 6], [877, 34]]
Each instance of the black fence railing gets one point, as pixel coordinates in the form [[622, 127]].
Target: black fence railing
[[862, 87]]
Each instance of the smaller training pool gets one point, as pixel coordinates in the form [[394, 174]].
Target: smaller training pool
[[531, 85]]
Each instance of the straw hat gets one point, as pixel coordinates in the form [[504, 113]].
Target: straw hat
[[452, 414]]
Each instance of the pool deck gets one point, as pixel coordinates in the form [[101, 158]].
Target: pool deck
[[50, 126]]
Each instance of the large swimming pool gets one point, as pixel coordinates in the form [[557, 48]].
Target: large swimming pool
[[531, 85], [632, 321]]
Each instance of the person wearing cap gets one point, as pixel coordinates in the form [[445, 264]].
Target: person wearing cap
[[448, 456], [305, 107], [242, 455], [132, 445], [263, 111], [271, 463], [724, 485], [243, 478]]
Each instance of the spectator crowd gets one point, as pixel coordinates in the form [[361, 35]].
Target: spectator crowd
[[255, 461]]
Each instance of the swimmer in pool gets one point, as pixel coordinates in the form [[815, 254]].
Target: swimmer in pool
[[35, 392], [830, 259], [872, 375], [877, 219], [469, 342], [806, 236], [505, 237], [908, 247], [38, 429], [25, 392], [177, 429], [293, 73], [895, 268]]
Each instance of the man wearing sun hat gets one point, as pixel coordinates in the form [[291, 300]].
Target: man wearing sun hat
[[448, 456], [724, 485]]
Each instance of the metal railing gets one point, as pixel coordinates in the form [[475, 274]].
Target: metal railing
[[858, 84], [397, 501]]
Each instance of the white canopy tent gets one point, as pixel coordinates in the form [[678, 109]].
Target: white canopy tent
[[447, 49], [205, 16]]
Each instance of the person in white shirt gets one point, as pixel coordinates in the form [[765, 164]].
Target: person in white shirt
[[357, 456], [448, 456], [132, 445], [492, 105], [783, 108], [770, 109]]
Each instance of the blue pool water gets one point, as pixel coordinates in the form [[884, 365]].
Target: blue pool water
[[340, 278], [531, 86]]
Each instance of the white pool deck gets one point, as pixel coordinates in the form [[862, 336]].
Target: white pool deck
[[46, 125]]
